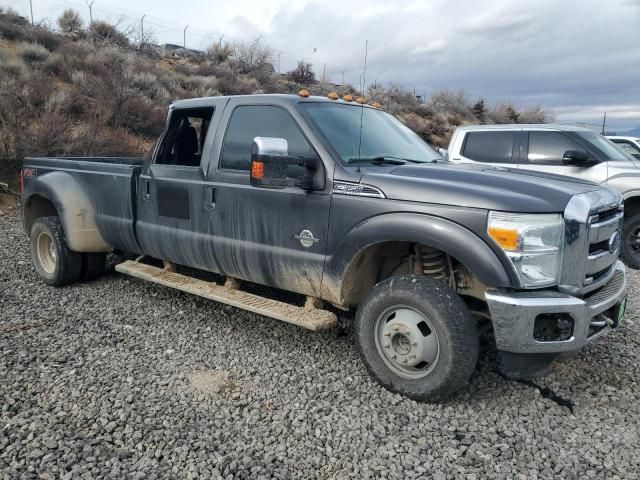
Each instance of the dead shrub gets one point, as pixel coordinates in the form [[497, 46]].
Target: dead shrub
[[107, 33], [12, 25], [46, 38], [32, 53], [219, 53], [70, 21], [140, 116]]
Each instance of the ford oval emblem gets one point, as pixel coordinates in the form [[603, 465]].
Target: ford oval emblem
[[614, 242]]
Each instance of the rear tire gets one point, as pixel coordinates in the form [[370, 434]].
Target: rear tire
[[417, 337], [54, 262], [630, 250], [93, 266]]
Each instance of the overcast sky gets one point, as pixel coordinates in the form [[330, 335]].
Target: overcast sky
[[578, 58]]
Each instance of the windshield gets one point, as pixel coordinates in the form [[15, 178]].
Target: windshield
[[608, 148], [384, 138]]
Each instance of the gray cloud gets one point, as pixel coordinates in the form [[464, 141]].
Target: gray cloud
[[579, 57]]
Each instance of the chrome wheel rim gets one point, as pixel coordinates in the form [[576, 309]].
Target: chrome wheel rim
[[46, 250], [407, 342]]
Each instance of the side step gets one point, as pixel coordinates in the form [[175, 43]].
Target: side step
[[307, 317]]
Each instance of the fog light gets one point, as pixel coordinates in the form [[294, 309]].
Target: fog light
[[553, 327]]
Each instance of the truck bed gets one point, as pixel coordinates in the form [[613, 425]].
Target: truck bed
[[110, 183]]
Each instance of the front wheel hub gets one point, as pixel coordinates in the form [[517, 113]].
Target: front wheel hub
[[407, 342]]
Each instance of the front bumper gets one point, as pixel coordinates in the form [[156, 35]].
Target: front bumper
[[514, 315]]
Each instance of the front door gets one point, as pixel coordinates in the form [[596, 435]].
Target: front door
[[275, 237], [543, 151]]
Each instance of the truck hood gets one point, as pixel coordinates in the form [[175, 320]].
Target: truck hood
[[477, 186]]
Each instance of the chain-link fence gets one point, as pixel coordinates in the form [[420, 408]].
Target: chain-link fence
[[164, 31]]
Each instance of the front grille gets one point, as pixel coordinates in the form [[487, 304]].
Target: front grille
[[603, 224], [606, 292], [599, 247], [604, 215]]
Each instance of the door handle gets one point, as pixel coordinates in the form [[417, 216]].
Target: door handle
[[146, 189], [210, 197]]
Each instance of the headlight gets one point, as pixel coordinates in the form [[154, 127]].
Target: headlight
[[533, 243]]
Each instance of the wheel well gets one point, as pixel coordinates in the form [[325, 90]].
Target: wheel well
[[37, 206], [631, 206], [386, 259]]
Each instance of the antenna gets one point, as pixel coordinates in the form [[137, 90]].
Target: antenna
[[364, 76]]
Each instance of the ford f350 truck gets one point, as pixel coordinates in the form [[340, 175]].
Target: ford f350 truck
[[342, 204]]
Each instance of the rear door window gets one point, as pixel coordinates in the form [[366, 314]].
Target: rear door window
[[183, 141], [490, 147], [549, 147]]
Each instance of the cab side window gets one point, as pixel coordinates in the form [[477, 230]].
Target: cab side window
[[490, 147], [250, 121], [183, 141], [549, 147]]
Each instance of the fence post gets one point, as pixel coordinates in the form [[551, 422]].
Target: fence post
[[90, 5], [142, 30]]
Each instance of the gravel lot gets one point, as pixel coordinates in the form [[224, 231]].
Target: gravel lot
[[118, 378]]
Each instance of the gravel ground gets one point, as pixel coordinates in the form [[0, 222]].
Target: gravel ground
[[118, 378]]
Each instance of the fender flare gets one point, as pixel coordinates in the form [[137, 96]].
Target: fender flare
[[73, 205], [450, 237]]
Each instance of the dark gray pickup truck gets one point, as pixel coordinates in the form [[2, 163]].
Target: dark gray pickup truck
[[340, 203]]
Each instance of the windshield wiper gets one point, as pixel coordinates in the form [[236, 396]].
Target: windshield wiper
[[382, 160]]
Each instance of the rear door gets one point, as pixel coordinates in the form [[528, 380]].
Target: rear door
[[543, 151], [493, 147], [275, 237], [173, 196]]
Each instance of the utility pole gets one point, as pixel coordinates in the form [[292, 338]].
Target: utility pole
[[279, 54], [604, 122], [342, 77], [31, 8], [142, 30], [184, 37], [220, 42], [90, 5], [324, 78]]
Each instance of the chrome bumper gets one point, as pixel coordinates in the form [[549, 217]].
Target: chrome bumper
[[514, 315]]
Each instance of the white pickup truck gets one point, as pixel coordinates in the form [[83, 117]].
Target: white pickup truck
[[562, 149]]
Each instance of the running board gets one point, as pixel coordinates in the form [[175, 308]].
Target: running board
[[307, 317]]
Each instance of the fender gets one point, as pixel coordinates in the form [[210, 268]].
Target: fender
[[77, 212], [450, 237]]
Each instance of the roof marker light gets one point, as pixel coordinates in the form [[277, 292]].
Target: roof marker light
[[303, 93], [347, 98], [360, 100], [332, 96]]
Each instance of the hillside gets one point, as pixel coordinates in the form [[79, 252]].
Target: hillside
[[95, 90]]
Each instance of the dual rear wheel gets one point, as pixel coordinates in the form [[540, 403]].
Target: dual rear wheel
[[55, 262]]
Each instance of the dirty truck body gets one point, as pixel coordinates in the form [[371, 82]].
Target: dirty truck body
[[342, 204]]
